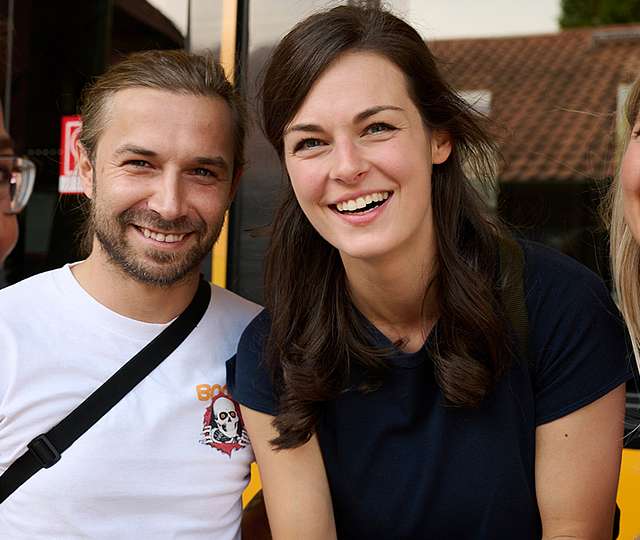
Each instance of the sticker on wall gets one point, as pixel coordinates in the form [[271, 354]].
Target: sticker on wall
[[69, 181]]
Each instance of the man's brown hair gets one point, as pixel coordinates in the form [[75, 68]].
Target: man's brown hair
[[173, 71]]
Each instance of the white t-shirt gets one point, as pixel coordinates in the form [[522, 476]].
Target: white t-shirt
[[168, 461]]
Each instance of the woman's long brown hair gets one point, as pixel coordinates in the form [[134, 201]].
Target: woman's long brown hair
[[316, 335]]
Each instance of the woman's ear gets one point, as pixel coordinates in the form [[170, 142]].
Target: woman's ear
[[440, 146], [84, 168]]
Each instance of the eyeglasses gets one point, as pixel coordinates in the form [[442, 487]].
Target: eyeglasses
[[17, 175]]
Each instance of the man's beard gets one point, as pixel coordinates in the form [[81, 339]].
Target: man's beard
[[165, 269]]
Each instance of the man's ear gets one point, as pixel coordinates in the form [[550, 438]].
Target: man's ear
[[84, 168], [440, 146], [235, 183]]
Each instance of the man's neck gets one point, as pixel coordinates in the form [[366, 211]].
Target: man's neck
[[121, 293]]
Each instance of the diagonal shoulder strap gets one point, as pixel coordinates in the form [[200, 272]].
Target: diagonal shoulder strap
[[513, 299], [45, 449]]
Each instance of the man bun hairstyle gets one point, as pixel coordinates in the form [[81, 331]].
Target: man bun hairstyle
[[173, 71], [169, 70]]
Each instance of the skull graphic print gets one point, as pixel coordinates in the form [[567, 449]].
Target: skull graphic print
[[223, 428]]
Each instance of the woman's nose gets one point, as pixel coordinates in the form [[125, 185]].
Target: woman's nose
[[348, 165]]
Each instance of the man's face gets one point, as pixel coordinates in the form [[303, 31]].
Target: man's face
[[161, 182], [8, 223]]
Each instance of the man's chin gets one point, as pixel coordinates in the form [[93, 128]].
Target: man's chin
[[156, 268], [160, 275]]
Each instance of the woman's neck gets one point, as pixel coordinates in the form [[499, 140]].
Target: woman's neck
[[390, 293]]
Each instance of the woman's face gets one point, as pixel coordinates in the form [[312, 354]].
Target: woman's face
[[630, 180], [360, 158]]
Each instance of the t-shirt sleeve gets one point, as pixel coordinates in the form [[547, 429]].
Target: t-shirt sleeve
[[248, 378], [578, 342]]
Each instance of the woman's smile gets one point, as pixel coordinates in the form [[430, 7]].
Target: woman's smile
[[360, 157]]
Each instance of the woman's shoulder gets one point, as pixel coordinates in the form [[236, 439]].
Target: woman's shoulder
[[576, 342], [562, 293], [256, 331], [248, 375], [555, 278], [544, 262]]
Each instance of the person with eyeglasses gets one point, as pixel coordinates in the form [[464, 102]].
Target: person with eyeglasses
[[16, 183]]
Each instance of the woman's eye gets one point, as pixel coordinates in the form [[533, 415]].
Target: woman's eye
[[379, 127], [307, 144]]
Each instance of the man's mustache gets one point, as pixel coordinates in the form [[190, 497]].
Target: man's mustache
[[152, 220]]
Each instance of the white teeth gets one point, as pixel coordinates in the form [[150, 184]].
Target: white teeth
[[361, 202], [161, 237]]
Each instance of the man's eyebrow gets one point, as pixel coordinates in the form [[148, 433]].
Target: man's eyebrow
[[216, 161], [133, 149], [213, 161], [311, 128]]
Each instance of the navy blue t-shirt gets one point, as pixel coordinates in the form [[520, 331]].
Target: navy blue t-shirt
[[403, 465]]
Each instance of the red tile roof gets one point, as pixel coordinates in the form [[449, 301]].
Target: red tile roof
[[555, 95]]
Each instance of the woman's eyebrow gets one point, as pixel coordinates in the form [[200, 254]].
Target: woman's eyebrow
[[314, 128], [375, 110]]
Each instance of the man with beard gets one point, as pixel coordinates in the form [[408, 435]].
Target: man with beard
[[160, 155]]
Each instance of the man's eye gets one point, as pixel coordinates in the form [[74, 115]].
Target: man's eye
[[5, 174], [307, 144], [137, 163], [379, 127], [201, 171]]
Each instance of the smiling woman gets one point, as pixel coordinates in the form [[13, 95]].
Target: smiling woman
[[383, 388], [377, 132]]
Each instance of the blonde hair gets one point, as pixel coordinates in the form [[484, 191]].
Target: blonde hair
[[624, 248]]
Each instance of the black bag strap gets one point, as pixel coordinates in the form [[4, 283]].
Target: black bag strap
[[512, 284], [512, 288], [45, 450]]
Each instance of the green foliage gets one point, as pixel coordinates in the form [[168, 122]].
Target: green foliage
[[577, 13]]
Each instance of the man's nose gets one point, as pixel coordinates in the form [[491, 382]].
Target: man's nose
[[348, 165], [168, 197]]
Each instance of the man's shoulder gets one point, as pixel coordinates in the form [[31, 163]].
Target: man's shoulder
[[37, 287], [231, 308]]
